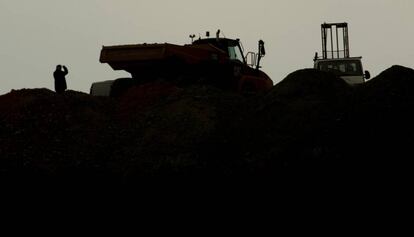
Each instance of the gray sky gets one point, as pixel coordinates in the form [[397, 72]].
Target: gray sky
[[38, 35]]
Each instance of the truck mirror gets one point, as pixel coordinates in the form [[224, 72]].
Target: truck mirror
[[367, 75], [260, 54], [251, 59], [262, 50]]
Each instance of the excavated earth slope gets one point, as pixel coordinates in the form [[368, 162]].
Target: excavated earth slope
[[310, 125]]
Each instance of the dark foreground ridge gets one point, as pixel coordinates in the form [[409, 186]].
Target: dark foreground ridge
[[310, 126]]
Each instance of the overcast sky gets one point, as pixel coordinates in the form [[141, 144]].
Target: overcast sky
[[38, 35]]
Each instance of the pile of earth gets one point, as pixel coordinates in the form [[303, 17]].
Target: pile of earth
[[312, 124]]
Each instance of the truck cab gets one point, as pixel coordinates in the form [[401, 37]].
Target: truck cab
[[234, 49], [336, 57], [349, 69], [245, 67]]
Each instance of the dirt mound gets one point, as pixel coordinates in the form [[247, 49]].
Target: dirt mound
[[155, 129], [309, 83], [292, 125], [179, 131], [395, 78], [380, 123], [310, 123], [49, 134]]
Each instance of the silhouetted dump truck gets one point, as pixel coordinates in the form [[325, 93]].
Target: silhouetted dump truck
[[216, 61], [335, 55]]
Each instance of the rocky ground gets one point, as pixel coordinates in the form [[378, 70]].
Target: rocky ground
[[310, 126]]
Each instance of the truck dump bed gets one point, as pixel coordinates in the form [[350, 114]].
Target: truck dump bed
[[133, 58]]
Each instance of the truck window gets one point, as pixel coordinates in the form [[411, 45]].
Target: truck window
[[235, 53], [342, 67]]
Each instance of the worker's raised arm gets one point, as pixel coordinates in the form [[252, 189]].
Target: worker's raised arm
[[65, 70]]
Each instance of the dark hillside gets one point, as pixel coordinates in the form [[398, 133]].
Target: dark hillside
[[293, 125], [310, 125], [381, 124], [45, 134]]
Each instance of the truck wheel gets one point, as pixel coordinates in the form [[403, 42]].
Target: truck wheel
[[122, 85], [248, 88]]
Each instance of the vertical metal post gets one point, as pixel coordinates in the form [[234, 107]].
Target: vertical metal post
[[323, 34], [347, 43], [337, 42], [344, 39], [332, 47], [347, 40]]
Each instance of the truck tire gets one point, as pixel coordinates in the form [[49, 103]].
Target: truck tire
[[248, 88], [121, 86]]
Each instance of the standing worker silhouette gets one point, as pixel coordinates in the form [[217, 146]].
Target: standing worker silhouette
[[60, 80]]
